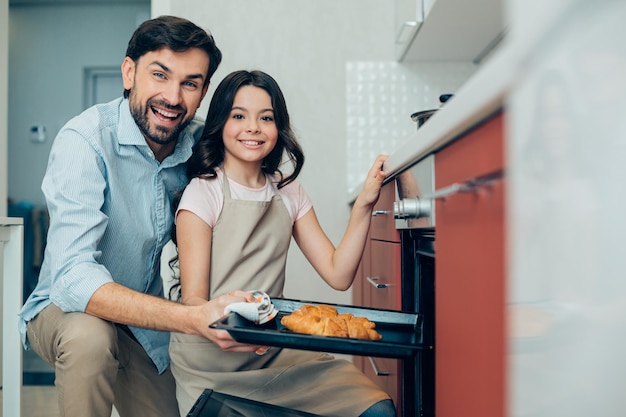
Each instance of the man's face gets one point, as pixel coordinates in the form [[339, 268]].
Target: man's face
[[166, 89]]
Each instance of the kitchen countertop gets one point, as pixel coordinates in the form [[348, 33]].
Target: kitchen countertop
[[482, 95], [10, 221], [11, 255]]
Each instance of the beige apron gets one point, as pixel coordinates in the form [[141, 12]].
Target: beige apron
[[249, 250]]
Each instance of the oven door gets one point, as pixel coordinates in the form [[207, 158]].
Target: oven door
[[418, 295], [216, 404]]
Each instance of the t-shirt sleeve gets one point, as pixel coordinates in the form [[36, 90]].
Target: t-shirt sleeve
[[305, 202], [204, 198], [299, 201]]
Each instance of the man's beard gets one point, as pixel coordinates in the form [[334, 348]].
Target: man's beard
[[160, 134]]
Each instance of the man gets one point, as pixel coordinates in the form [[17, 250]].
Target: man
[[97, 314]]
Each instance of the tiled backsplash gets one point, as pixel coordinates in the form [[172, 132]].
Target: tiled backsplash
[[382, 95]]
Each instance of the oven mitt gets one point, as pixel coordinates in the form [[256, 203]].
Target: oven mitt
[[260, 311]]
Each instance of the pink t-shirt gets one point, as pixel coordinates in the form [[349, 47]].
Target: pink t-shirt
[[205, 197]]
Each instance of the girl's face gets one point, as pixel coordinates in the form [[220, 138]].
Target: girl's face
[[250, 132]]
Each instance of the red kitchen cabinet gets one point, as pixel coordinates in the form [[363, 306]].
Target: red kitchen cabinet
[[377, 285], [383, 280], [470, 276], [383, 284]]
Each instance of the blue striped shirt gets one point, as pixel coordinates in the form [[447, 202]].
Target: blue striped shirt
[[110, 214]]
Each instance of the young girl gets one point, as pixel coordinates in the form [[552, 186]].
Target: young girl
[[234, 224]]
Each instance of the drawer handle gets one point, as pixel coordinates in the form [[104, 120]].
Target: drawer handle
[[468, 186], [376, 284], [379, 213], [377, 371]]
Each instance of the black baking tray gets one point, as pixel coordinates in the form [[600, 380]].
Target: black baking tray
[[401, 332]]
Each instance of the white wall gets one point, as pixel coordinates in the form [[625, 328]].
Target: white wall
[[49, 46], [381, 97]]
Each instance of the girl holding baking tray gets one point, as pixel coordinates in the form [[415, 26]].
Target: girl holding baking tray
[[234, 224]]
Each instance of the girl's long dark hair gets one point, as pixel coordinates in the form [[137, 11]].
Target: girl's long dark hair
[[208, 153]]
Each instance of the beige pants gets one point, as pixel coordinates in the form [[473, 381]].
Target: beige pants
[[97, 364]]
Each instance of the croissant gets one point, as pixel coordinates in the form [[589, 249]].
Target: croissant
[[325, 321]]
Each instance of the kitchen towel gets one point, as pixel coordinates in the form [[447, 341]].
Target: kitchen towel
[[260, 311]]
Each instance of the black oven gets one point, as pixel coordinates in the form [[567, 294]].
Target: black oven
[[418, 295], [415, 220]]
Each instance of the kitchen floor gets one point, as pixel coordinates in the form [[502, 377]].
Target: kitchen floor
[[40, 401]]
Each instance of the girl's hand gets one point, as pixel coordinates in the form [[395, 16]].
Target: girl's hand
[[373, 183]]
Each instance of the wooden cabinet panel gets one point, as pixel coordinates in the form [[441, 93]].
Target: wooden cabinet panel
[[383, 225], [383, 279], [470, 278], [381, 265], [385, 260], [478, 153], [386, 373]]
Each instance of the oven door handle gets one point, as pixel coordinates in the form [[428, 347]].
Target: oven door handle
[[377, 371], [376, 284]]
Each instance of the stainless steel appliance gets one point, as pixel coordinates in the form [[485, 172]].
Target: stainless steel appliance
[[414, 207]]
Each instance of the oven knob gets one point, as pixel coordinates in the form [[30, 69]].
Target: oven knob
[[412, 208]]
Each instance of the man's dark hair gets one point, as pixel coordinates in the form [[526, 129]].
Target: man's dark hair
[[175, 33]]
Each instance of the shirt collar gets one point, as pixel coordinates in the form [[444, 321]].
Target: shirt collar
[[128, 131]]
